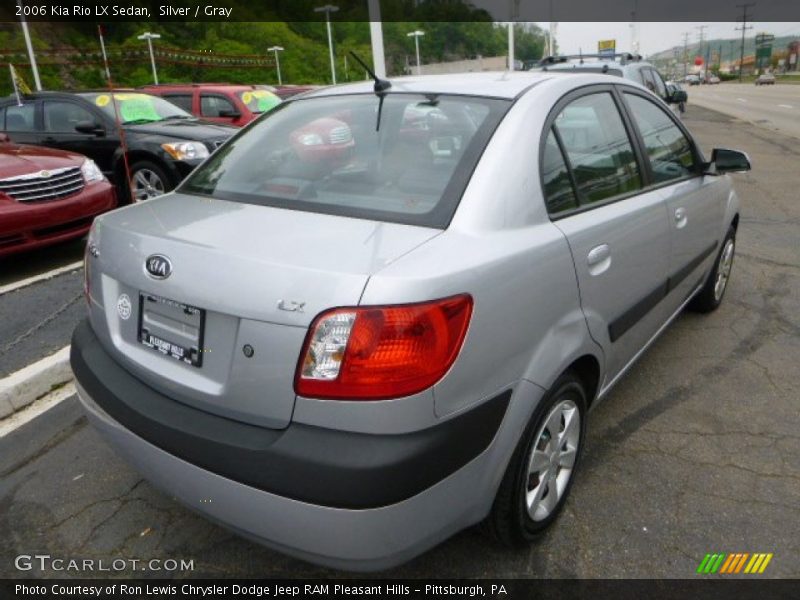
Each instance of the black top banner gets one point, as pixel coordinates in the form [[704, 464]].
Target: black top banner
[[397, 10]]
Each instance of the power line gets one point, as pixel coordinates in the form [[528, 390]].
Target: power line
[[744, 29]]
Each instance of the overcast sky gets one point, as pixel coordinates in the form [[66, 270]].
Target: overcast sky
[[653, 37]]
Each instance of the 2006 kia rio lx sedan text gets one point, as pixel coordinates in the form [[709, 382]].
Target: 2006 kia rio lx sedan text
[[380, 315]]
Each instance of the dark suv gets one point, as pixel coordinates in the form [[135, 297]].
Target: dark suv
[[165, 143]]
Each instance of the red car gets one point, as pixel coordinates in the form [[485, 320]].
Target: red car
[[47, 196], [230, 104]]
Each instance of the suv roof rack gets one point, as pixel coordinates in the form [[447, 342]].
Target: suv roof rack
[[625, 57]]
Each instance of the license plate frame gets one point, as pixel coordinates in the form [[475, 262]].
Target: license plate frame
[[189, 355]]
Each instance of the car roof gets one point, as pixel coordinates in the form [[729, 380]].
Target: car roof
[[216, 86], [490, 84], [58, 93]]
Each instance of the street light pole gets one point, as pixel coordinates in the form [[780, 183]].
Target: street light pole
[[277, 49], [150, 37], [416, 35], [328, 9]]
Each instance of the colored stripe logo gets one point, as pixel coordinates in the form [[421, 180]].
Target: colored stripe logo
[[734, 563]]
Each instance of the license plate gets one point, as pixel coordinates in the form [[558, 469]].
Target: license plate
[[172, 328]]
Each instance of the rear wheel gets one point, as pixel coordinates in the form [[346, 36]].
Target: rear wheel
[[540, 474], [148, 180], [710, 297]]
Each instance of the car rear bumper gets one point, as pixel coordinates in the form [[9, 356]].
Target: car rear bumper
[[363, 531], [28, 226]]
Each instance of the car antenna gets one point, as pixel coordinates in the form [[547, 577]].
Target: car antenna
[[381, 86]]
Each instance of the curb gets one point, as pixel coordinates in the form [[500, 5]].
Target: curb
[[21, 388]]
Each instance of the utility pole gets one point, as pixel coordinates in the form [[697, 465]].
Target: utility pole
[[376, 37], [702, 29], [685, 53], [744, 29]]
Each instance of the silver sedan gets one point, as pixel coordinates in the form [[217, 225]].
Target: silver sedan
[[380, 314]]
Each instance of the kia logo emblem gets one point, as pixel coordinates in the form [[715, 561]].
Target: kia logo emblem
[[158, 266]]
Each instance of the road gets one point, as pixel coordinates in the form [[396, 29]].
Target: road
[[775, 107], [695, 451]]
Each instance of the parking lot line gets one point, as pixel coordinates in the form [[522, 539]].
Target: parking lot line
[[36, 408], [785, 105], [10, 287]]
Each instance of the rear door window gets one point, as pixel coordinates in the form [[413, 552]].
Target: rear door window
[[558, 192], [21, 118], [62, 117], [598, 148], [403, 158]]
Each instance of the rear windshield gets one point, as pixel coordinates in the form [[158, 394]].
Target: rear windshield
[[405, 159]]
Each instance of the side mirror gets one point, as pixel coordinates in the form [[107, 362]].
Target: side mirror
[[230, 114], [728, 161], [89, 127], [678, 96]]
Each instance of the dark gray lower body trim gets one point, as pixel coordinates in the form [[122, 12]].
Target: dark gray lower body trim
[[619, 326]]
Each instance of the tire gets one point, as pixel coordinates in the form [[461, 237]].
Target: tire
[[510, 521], [710, 296], [148, 180]]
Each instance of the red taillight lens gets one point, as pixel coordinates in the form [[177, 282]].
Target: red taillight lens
[[381, 352]]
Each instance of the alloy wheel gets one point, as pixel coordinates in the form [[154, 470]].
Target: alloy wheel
[[723, 270], [147, 184], [552, 459]]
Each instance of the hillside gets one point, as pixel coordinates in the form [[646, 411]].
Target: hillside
[[729, 48], [68, 54]]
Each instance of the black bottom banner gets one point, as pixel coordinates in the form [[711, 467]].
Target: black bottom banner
[[245, 589]]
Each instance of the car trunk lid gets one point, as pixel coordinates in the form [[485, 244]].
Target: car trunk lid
[[244, 284]]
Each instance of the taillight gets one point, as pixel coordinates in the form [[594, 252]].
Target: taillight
[[381, 352]]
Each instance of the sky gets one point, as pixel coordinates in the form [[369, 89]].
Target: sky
[[653, 37]]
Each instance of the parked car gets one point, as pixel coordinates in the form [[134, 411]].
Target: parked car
[[47, 196], [351, 359], [713, 80], [625, 65], [765, 79], [692, 80], [230, 104], [164, 142]]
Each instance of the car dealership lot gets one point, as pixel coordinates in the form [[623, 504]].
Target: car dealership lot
[[695, 451]]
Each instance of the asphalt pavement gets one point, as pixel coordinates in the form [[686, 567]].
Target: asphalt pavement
[[695, 451], [775, 107]]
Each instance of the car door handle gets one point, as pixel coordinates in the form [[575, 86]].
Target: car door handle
[[599, 259], [598, 254], [680, 217], [49, 140]]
